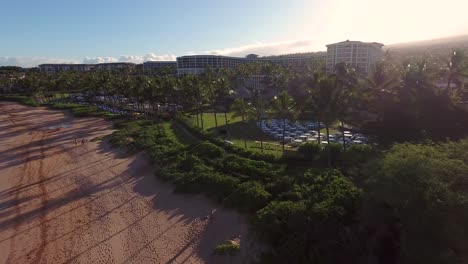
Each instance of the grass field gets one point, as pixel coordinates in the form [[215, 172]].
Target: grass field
[[176, 132], [245, 133]]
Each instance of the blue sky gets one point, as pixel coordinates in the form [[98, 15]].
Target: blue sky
[[102, 30]]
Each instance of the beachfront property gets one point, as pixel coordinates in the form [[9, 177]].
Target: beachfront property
[[196, 64], [54, 68], [114, 66], [155, 65], [360, 55]]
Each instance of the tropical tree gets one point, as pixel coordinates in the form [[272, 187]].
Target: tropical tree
[[379, 86], [259, 109], [283, 107], [457, 69], [241, 108], [329, 101]]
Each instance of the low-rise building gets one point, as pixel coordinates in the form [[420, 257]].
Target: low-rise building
[[114, 66], [60, 67], [53, 68]]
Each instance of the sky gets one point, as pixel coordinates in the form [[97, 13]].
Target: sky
[[92, 31]]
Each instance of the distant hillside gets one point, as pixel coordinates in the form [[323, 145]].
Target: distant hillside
[[438, 50], [456, 41]]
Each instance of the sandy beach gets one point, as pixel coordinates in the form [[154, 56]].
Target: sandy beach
[[62, 202]]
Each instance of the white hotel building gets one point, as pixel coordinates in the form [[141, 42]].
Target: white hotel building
[[196, 64], [360, 55]]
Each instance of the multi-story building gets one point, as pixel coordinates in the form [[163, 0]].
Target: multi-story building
[[154, 65], [114, 66], [53, 68], [298, 61], [360, 55], [196, 64]]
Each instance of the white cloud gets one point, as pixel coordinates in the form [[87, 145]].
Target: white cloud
[[93, 60], [31, 61], [267, 48], [34, 61], [130, 58], [154, 57]]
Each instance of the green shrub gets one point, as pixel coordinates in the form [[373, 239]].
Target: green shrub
[[336, 150], [310, 150], [208, 150], [358, 154], [255, 169], [228, 247], [22, 99], [249, 196]]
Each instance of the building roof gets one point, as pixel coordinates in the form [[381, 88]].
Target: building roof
[[357, 42], [149, 62]]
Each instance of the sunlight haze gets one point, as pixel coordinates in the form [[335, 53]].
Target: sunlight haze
[[105, 31]]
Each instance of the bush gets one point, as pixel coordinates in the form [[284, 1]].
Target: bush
[[249, 196], [22, 99], [358, 154], [336, 150], [310, 150], [425, 187], [255, 169], [228, 247], [208, 150]]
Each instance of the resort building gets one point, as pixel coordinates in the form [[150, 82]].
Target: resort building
[[114, 66], [53, 68], [154, 65], [298, 61], [360, 55], [196, 64]]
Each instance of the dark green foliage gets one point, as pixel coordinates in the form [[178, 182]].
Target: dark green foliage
[[335, 153], [255, 169], [310, 150], [248, 196], [82, 110], [425, 186], [315, 227], [208, 150], [23, 99], [358, 154]]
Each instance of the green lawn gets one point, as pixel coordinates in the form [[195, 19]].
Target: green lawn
[[239, 132], [178, 133]]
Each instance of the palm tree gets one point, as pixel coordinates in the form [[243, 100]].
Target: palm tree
[[457, 69], [315, 104], [329, 100], [381, 83], [194, 90], [240, 108], [259, 109], [284, 108]]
